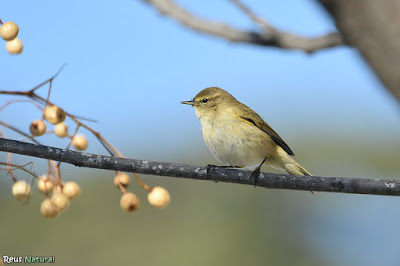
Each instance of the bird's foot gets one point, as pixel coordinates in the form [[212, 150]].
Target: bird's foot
[[209, 167], [255, 176]]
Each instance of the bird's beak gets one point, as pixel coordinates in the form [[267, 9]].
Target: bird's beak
[[188, 102]]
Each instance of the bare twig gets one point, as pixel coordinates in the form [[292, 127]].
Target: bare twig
[[267, 180], [258, 20], [8, 169], [272, 37], [48, 80], [19, 101], [20, 167], [38, 99], [35, 97], [19, 131]]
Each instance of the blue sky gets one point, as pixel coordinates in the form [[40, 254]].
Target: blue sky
[[129, 67]]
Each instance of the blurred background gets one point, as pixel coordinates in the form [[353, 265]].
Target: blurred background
[[128, 68]]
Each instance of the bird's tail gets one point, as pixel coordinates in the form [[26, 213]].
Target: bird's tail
[[296, 169]]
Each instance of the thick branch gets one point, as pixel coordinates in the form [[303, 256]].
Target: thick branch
[[267, 180], [373, 27], [271, 37]]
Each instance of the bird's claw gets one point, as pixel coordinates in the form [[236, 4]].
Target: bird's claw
[[208, 168], [255, 176]]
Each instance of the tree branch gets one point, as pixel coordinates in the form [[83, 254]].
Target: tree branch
[[268, 37], [267, 180], [373, 28]]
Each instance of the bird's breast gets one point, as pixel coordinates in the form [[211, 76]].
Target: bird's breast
[[235, 142]]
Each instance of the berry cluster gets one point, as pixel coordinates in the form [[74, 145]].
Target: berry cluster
[[9, 31], [58, 193], [56, 116], [157, 197], [51, 206]]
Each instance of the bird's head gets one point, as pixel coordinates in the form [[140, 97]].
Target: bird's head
[[210, 100]]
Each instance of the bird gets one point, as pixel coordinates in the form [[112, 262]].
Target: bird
[[238, 137]]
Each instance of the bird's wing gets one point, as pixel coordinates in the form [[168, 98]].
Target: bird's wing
[[257, 121]]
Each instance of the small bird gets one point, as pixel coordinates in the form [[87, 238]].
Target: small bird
[[238, 137]]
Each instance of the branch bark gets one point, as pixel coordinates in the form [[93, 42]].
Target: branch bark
[[267, 180], [373, 28], [269, 37]]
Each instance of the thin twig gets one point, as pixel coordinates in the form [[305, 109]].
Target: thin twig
[[19, 131], [20, 167], [8, 170], [48, 97], [19, 101], [256, 19], [272, 38], [35, 97], [48, 80]]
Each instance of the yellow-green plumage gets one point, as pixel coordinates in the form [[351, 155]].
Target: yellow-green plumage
[[238, 136]]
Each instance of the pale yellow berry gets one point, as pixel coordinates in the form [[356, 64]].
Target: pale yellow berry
[[158, 197], [61, 130], [14, 46], [21, 190], [80, 142], [37, 128], [9, 30], [129, 202], [60, 201], [54, 114], [71, 190], [48, 209], [123, 179], [45, 184]]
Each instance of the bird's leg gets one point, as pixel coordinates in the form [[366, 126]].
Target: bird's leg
[[256, 174]]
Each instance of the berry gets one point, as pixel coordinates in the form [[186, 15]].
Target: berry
[[37, 128], [80, 142], [129, 202], [9, 31], [123, 179], [61, 130], [48, 209], [21, 190], [14, 46], [45, 184], [60, 201], [54, 114], [71, 190], [158, 197]]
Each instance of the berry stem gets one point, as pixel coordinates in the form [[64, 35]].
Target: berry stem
[[13, 167], [48, 96], [70, 142]]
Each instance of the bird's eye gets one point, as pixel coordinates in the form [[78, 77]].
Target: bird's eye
[[204, 100]]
